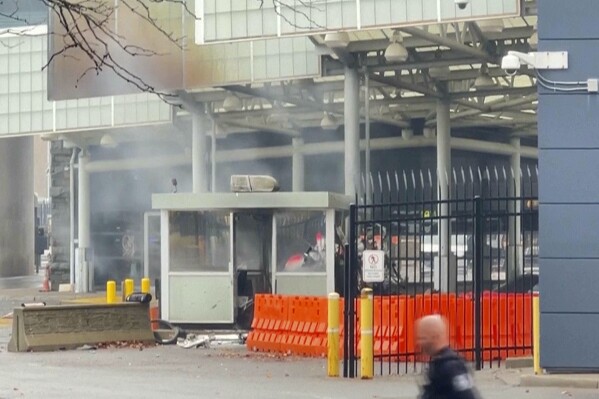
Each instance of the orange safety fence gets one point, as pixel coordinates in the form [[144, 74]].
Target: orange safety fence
[[298, 324]]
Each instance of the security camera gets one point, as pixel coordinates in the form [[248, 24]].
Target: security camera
[[511, 64], [461, 3]]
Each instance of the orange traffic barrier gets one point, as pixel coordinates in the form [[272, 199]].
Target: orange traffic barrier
[[298, 324]]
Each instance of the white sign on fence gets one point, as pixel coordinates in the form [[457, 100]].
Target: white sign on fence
[[373, 266]]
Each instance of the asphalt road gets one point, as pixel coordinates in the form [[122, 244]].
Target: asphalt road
[[173, 372]]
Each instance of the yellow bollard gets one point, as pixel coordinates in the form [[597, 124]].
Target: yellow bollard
[[536, 332], [333, 339], [366, 330], [145, 285], [111, 292], [129, 287]]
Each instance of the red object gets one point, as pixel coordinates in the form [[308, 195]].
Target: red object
[[46, 283]]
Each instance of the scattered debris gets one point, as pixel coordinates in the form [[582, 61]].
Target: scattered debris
[[125, 345], [87, 348], [194, 341]]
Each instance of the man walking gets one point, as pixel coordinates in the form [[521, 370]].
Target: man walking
[[448, 375]]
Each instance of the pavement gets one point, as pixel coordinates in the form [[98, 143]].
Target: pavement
[[226, 371]]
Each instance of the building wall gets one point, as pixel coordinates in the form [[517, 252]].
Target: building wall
[[569, 190], [16, 207]]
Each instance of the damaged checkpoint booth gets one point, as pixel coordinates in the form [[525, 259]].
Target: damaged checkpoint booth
[[220, 249]]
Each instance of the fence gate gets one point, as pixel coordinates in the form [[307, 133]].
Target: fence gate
[[472, 260]]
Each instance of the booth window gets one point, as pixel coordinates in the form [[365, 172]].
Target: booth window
[[199, 241], [301, 238]]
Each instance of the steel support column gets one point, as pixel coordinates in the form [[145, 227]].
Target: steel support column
[[447, 265], [352, 131], [298, 167], [198, 153], [84, 270]]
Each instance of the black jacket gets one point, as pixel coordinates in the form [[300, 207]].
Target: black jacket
[[449, 378]]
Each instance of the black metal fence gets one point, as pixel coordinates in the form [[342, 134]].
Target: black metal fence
[[471, 258]]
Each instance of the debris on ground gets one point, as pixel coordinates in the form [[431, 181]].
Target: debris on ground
[[125, 345], [194, 341]]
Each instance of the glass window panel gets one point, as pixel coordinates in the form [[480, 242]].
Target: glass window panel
[[142, 112], [334, 16], [510, 6], [210, 28], [25, 82], [13, 63], [238, 5], [223, 6], [37, 121], [367, 12], [210, 6], [3, 124], [286, 65], [61, 119], [382, 12], [273, 69], [48, 121], [25, 123], [37, 81], [13, 124], [269, 22], [25, 102], [259, 68], [350, 18], [301, 238], [14, 104], [254, 23], [245, 69], [95, 116], [37, 101], [25, 62], [199, 241], [239, 24], [300, 66], [429, 10], [495, 7], [71, 119], [13, 84], [83, 117], [3, 84], [414, 10], [223, 26], [4, 104], [399, 12]]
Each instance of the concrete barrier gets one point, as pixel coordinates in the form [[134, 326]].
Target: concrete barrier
[[48, 328]]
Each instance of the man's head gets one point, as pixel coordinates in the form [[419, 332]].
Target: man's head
[[431, 334]]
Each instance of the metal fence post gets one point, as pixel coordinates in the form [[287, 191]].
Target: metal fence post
[[351, 294], [478, 279], [346, 296]]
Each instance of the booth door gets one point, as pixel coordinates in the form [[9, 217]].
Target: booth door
[[200, 268], [252, 260]]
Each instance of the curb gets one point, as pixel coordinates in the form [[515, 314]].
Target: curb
[[571, 381], [519, 363]]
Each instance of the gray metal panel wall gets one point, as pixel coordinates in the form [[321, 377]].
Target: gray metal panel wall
[[16, 206], [569, 197]]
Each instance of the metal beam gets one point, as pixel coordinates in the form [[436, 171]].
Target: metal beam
[[452, 44], [490, 107], [259, 127], [402, 84]]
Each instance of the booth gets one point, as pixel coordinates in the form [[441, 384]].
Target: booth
[[219, 249]]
